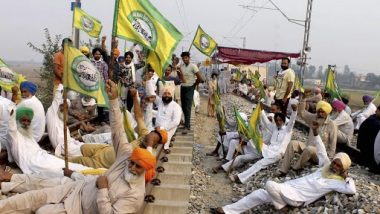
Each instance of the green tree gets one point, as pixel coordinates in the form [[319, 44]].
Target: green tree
[[46, 72]]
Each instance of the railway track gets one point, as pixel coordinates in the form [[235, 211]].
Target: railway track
[[173, 193]]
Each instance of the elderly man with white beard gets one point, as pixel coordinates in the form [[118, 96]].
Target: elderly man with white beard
[[28, 155], [169, 114], [120, 190], [28, 91]]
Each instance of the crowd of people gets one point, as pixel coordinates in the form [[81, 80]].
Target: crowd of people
[[107, 169], [332, 127]]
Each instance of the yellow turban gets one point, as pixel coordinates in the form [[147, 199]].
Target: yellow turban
[[84, 50], [325, 106], [344, 158], [146, 160]]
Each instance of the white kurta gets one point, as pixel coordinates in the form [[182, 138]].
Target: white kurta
[[31, 158], [168, 117], [38, 121], [363, 114], [196, 101], [4, 118], [249, 152], [150, 88], [276, 149], [297, 192], [345, 125], [55, 129]]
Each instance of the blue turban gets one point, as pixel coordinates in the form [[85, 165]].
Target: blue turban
[[31, 87]]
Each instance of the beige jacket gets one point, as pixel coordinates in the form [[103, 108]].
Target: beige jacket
[[327, 130]]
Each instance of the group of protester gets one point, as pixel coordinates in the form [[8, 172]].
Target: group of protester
[[330, 123], [107, 171]]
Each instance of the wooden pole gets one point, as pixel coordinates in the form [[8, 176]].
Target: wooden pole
[[65, 110], [112, 58], [235, 155]]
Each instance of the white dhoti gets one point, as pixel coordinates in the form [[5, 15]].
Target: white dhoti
[[231, 145], [240, 160], [171, 132], [272, 194], [359, 120], [259, 165], [226, 142]]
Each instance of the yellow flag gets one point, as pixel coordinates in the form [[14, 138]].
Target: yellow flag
[[203, 42], [9, 78], [128, 127], [298, 85], [87, 23], [140, 22], [254, 131], [80, 75], [331, 86]]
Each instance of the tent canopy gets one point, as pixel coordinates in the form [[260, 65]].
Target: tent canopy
[[237, 56]]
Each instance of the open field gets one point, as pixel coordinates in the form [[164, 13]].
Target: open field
[[356, 97]]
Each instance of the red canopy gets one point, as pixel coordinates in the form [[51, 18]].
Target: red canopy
[[244, 56]]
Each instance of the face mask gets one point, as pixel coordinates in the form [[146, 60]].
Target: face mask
[[284, 67], [167, 100]]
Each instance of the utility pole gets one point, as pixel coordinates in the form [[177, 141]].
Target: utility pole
[[305, 46], [76, 31], [304, 23], [244, 41]]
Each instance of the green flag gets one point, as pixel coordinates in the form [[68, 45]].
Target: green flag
[[241, 125], [331, 87]]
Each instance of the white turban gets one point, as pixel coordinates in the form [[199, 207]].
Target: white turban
[[344, 158]]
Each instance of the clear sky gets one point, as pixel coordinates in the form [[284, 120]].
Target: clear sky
[[342, 31]]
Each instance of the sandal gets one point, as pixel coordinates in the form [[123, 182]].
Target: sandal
[[156, 182], [149, 198], [160, 169], [215, 211], [212, 154], [164, 159]]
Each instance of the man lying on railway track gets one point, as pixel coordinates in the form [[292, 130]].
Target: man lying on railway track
[[331, 176]]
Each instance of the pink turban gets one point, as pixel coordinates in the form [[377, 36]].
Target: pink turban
[[338, 105]]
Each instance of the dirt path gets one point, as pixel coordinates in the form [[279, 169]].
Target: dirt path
[[211, 190]]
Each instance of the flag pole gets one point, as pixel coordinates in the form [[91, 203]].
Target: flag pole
[[65, 110], [191, 45], [113, 42]]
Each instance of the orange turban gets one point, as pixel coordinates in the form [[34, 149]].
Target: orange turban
[[146, 160], [116, 52], [164, 135]]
